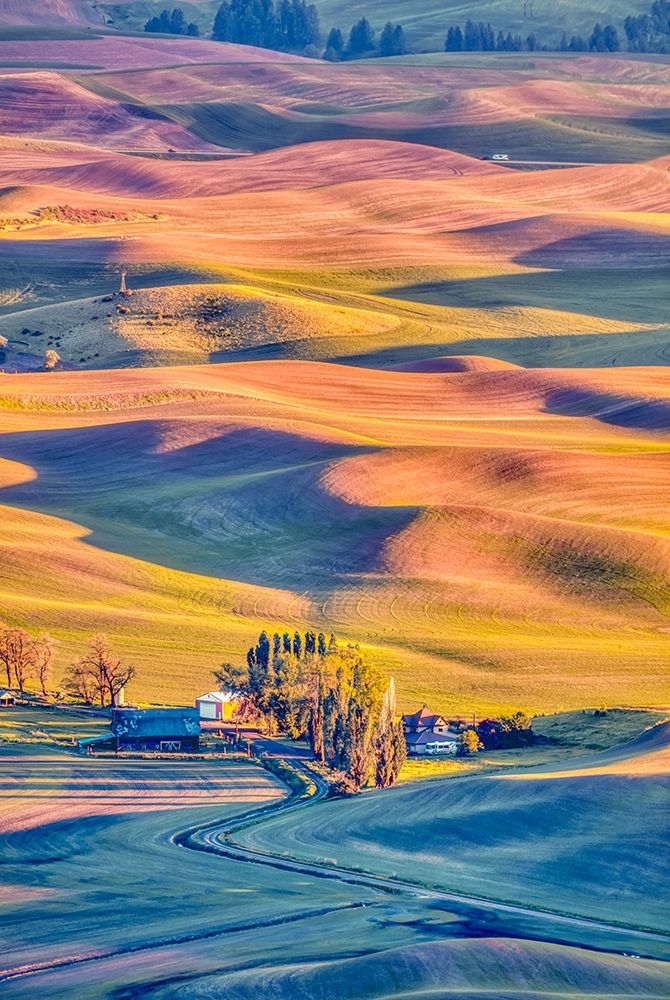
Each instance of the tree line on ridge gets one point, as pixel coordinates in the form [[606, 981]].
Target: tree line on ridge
[[294, 26]]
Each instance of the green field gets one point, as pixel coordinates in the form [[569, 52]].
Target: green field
[[566, 836], [425, 23], [100, 902]]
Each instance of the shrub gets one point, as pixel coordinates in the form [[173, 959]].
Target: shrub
[[469, 743]]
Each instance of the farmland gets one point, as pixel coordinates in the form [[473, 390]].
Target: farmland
[[116, 908], [366, 381], [426, 407]]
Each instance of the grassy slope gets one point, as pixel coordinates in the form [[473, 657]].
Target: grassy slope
[[564, 108], [270, 484], [89, 870], [472, 571], [426, 22], [534, 836]]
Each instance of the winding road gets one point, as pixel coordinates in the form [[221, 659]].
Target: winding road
[[460, 915], [555, 927]]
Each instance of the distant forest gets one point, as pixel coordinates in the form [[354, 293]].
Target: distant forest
[[293, 26]]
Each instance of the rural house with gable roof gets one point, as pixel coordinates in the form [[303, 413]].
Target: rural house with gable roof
[[428, 733]]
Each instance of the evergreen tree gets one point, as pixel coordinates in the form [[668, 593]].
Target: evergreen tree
[[177, 23], [390, 745], [399, 41], [454, 40], [487, 38], [321, 644], [334, 46], [611, 38], [222, 23], [596, 41], [297, 645], [286, 642], [392, 40], [361, 38], [316, 717], [263, 650], [292, 25], [471, 37], [192, 30]]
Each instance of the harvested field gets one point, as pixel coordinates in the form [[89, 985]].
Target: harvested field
[[536, 835], [151, 918], [366, 380], [475, 587]]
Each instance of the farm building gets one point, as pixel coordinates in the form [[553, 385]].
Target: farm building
[[164, 730], [217, 705], [6, 699], [428, 733]]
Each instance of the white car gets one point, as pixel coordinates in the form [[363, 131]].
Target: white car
[[500, 156]]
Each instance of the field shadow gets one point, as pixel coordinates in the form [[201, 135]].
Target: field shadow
[[256, 126], [615, 247], [599, 350], [639, 296], [245, 504], [619, 411]]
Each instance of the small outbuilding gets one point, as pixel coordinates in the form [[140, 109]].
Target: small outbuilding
[[161, 730], [7, 699], [216, 706]]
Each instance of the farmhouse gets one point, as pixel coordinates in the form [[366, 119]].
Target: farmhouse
[[164, 730], [218, 705], [428, 733]]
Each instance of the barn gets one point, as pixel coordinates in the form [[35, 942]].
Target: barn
[[217, 705], [162, 730]]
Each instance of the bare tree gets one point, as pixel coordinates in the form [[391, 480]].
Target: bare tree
[[79, 682], [17, 655], [5, 653], [101, 671], [44, 657]]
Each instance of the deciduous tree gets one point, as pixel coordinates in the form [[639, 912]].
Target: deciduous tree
[[99, 675], [43, 658]]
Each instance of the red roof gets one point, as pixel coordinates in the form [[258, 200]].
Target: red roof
[[423, 719]]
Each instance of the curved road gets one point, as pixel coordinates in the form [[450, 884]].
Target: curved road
[[560, 928]]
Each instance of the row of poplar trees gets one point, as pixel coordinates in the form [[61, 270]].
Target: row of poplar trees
[[306, 685]]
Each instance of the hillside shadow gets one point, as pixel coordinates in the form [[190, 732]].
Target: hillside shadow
[[598, 350], [245, 504], [639, 296], [259, 127], [619, 411], [615, 247]]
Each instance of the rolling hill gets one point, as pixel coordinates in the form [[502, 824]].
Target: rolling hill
[[381, 385], [425, 23], [287, 484]]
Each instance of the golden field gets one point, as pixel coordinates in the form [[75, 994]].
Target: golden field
[[369, 382], [381, 387]]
